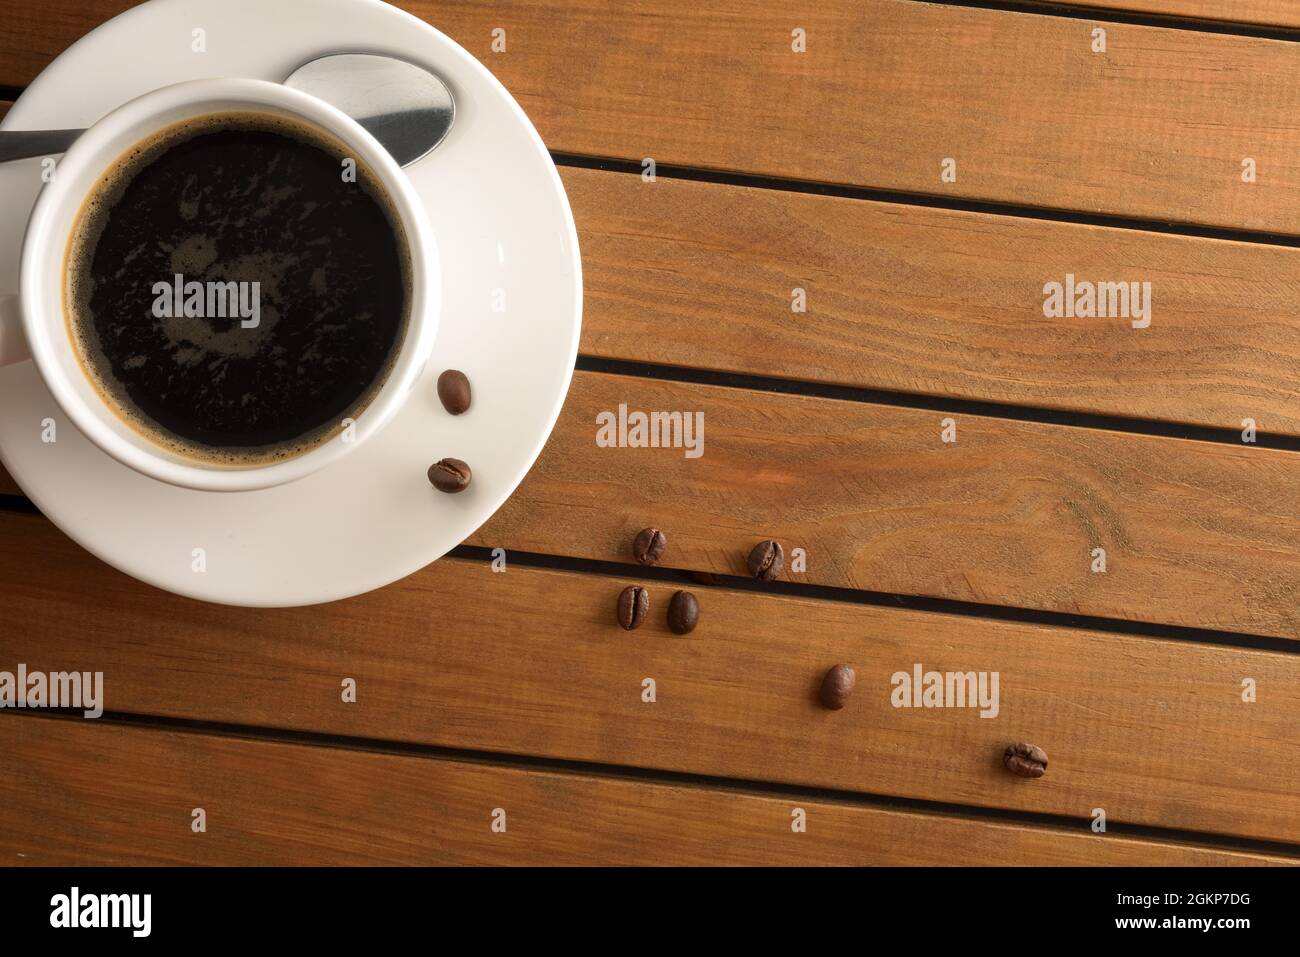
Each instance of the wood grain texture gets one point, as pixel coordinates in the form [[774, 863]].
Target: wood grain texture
[[1198, 534], [94, 795], [1156, 127], [530, 661], [934, 301], [1263, 13]]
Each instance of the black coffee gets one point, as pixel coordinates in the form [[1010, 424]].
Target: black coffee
[[236, 289]]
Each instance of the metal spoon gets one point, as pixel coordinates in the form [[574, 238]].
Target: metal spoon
[[405, 107]]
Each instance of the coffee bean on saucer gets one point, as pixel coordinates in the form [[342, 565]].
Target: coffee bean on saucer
[[837, 686], [649, 545], [633, 605], [450, 475], [683, 613], [766, 560], [1026, 760], [453, 390]]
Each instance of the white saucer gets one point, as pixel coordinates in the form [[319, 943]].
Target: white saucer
[[503, 226]]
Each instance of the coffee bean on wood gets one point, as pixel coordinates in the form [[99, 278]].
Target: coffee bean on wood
[[648, 546], [837, 686], [766, 560], [633, 606], [683, 613], [1026, 760]]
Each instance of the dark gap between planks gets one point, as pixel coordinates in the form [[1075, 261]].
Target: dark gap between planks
[[916, 400], [1168, 21], [528, 762], [928, 200], [878, 599]]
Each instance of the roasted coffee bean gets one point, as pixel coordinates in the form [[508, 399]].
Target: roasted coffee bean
[[648, 546], [703, 578], [766, 560], [683, 613], [633, 605], [1026, 760], [453, 390], [837, 686], [450, 475]]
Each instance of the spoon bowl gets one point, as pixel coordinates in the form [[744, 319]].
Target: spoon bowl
[[405, 107]]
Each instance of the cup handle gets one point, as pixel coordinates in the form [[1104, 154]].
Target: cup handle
[[13, 344]]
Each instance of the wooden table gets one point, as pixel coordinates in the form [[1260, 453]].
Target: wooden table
[[923, 293]]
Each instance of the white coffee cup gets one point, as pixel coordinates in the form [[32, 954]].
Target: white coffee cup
[[33, 325]]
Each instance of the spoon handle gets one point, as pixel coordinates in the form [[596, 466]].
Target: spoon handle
[[23, 144]]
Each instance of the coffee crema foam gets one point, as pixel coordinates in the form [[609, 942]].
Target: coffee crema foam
[[238, 197]]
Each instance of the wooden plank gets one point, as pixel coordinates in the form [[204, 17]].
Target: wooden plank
[[530, 661], [1263, 13], [1196, 534], [1156, 127], [82, 795], [936, 302]]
